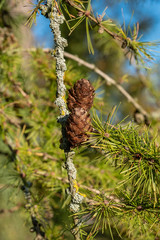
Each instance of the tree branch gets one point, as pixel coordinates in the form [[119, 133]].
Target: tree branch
[[109, 81], [56, 20], [37, 227]]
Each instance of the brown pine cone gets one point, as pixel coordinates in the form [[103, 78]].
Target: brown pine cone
[[77, 126], [81, 95]]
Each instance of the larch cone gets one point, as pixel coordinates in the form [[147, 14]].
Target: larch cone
[[79, 102]]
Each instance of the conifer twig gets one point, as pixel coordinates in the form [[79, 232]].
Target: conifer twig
[[56, 20], [17, 86], [13, 120], [96, 21]]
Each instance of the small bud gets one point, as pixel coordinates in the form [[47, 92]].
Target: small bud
[[126, 148], [99, 18], [107, 135], [124, 44], [87, 13], [101, 30], [80, 14], [22, 174], [32, 229], [139, 208], [139, 118], [137, 155]]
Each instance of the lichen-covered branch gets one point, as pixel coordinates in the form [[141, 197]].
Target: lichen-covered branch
[[37, 227], [60, 43], [56, 20]]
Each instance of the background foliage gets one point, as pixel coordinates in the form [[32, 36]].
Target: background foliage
[[118, 171]]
